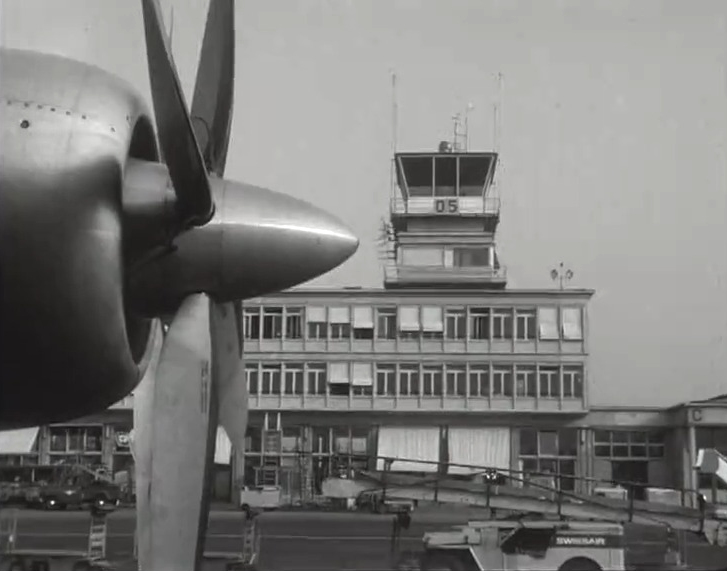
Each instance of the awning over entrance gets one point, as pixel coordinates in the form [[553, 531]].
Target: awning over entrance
[[19, 441], [409, 444], [485, 447]]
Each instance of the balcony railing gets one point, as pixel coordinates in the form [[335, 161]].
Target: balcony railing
[[440, 274], [404, 403], [446, 206]]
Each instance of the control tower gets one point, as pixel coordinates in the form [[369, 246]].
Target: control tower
[[442, 223]]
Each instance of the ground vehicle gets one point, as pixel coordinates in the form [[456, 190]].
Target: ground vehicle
[[75, 493], [582, 534], [256, 498], [375, 502], [526, 545]]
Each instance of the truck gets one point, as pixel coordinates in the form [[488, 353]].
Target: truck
[[524, 545]]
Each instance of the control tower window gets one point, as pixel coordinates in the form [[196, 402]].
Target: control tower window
[[419, 175], [445, 176], [471, 257], [473, 174]]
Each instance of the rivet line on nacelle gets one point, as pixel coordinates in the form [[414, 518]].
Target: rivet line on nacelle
[[68, 112]]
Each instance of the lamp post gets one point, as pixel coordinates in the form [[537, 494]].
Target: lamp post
[[561, 274]]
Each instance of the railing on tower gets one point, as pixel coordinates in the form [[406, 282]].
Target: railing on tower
[[394, 272]]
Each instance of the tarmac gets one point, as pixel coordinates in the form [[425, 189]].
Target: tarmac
[[316, 541]]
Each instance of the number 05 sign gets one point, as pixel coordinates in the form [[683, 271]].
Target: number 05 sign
[[446, 206]]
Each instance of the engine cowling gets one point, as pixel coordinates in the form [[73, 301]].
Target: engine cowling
[[69, 343]]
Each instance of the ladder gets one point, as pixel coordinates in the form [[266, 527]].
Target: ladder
[[269, 474], [709, 520], [250, 540], [97, 536]]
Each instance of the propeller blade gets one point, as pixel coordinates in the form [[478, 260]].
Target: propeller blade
[[228, 373], [214, 88], [172, 511], [176, 135], [140, 436]]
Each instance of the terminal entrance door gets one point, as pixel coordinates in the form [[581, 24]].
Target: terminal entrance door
[[632, 475]]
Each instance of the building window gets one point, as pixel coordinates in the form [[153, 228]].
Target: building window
[[502, 324], [479, 323], [502, 381], [573, 381], [251, 323], [251, 376], [525, 324], [272, 322], [317, 378], [317, 323], [386, 380], [291, 442], [409, 380], [572, 325], [362, 379], [711, 437], [293, 379], [294, 323], [385, 323], [76, 439], [455, 323], [548, 323], [363, 322], [339, 379], [317, 330], [340, 331], [270, 382], [471, 257], [432, 381], [432, 322], [549, 381], [479, 381], [550, 454], [456, 381], [340, 323], [629, 444], [526, 382]]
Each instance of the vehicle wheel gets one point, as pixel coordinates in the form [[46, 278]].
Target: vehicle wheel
[[580, 564], [246, 509], [17, 565], [442, 562]]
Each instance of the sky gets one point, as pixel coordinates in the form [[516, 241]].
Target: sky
[[612, 141]]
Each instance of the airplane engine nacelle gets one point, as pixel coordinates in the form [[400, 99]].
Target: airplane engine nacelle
[[63, 317]]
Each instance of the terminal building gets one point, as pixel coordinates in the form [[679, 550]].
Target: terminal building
[[444, 363]]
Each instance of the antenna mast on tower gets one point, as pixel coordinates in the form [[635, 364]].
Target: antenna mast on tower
[[394, 131], [496, 126]]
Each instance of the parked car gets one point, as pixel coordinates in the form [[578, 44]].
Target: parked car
[[74, 494]]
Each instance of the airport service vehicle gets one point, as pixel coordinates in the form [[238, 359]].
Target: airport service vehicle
[[525, 545], [553, 529], [256, 498]]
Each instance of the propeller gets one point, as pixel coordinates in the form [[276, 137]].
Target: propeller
[[176, 136], [199, 378]]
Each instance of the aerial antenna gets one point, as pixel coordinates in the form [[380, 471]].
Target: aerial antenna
[[394, 131], [497, 114]]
